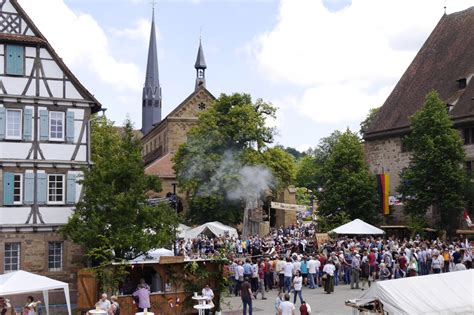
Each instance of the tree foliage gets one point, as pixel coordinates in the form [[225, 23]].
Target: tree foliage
[[348, 190], [113, 219], [231, 134], [371, 116], [435, 176]]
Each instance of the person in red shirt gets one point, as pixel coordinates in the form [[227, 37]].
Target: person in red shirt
[[372, 260], [322, 260], [402, 262]]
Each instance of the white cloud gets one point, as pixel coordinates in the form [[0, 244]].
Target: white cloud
[[349, 60], [140, 31], [81, 41]]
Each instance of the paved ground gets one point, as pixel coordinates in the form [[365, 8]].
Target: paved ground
[[320, 302]]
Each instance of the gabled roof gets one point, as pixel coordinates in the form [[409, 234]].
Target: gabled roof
[[178, 108], [40, 39], [446, 56], [162, 167]]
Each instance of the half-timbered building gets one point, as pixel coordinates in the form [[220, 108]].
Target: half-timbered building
[[44, 144]]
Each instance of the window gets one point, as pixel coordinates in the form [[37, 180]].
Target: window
[[12, 257], [15, 60], [468, 134], [55, 256], [202, 106], [17, 189], [13, 130], [55, 189], [56, 126]]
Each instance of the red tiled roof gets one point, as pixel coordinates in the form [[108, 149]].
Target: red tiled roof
[[26, 39], [163, 167]]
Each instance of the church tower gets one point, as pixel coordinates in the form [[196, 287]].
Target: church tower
[[151, 104], [200, 67]]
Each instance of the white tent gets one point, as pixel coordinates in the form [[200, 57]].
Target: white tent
[[154, 254], [20, 281], [357, 227], [446, 293], [182, 230], [215, 228]]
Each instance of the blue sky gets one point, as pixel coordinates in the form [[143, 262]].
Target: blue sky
[[322, 63]]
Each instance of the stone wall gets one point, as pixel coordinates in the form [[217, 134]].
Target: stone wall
[[385, 155], [34, 258]]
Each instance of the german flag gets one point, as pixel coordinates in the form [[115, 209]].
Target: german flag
[[383, 187]]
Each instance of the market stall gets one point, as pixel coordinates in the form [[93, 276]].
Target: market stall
[[357, 227], [446, 293]]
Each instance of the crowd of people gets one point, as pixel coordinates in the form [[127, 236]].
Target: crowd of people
[[289, 259], [31, 307]]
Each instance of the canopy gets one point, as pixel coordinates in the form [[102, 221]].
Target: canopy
[[154, 254], [357, 227], [20, 281], [446, 293], [211, 228]]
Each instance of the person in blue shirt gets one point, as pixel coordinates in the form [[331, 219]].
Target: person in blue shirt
[[304, 271]]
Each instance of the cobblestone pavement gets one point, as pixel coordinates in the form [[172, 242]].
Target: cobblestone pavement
[[320, 302]]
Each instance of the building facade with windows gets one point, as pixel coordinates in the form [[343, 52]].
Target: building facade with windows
[[445, 63], [44, 142], [162, 137]]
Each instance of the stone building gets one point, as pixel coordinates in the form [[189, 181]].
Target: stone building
[[162, 138], [445, 63], [44, 141]]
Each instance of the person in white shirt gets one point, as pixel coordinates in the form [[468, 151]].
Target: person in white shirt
[[209, 295], [328, 273], [298, 286], [288, 274], [103, 304], [286, 307], [437, 262], [281, 274], [313, 269]]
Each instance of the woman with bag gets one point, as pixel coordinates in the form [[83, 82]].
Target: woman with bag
[[298, 286]]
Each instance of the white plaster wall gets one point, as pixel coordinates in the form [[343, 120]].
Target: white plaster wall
[[82, 153], [55, 215], [57, 151], [14, 215], [7, 7], [30, 52], [2, 63], [45, 54], [71, 91], [51, 69], [14, 85], [79, 176], [14, 150], [77, 130], [28, 65], [1, 49], [78, 113], [56, 88]]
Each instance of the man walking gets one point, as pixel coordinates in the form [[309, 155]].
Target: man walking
[[246, 295], [355, 271], [288, 273], [286, 307]]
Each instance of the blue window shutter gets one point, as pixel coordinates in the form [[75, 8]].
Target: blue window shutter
[[8, 188], [2, 123], [41, 193], [70, 127], [27, 121], [15, 56], [44, 125], [28, 196], [71, 189]]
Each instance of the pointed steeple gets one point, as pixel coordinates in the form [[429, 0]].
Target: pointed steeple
[[151, 110], [200, 67]]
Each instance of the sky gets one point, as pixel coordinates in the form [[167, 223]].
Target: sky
[[322, 63]]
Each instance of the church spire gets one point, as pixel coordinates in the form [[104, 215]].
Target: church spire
[[151, 104], [200, 67]]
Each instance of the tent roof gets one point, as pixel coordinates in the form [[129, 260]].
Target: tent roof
[[215, 228], [22, 282], [446, 293], [357, 227], [154, 255]]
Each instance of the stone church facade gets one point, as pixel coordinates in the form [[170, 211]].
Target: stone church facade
[[445, 63]]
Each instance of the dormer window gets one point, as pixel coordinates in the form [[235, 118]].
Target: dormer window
[[14, 60], [462, 83]]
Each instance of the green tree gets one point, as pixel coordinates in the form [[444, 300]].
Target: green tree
[[230, 135], [371, 116], [113, 220], [307, 172], [435, 176], [348, 187]]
